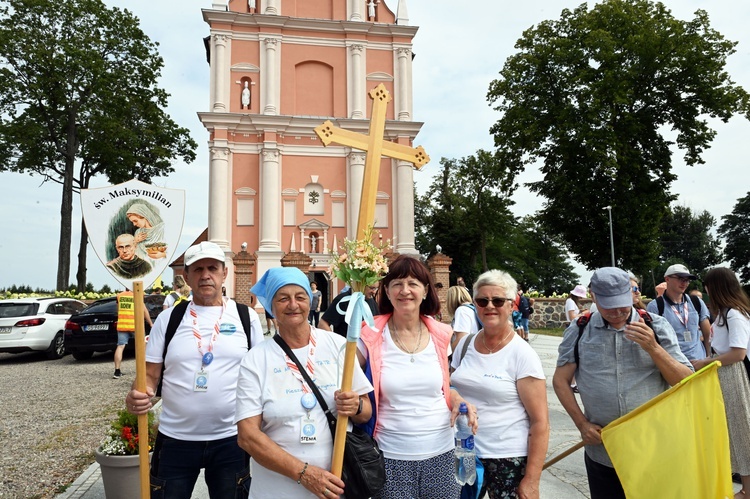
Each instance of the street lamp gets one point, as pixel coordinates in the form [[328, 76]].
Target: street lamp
[[611, 236]]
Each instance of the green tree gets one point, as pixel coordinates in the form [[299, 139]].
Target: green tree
[[465, 205], [591, 95], [78, 98], [685, 236], [735, 229]]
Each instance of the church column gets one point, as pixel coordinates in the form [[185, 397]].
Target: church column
[[270, 69], [272, 7], [404, 99], [358, 92], [405, 208], [355, 10], [220, 72], [270, 181], [219, 195], [354, 191]]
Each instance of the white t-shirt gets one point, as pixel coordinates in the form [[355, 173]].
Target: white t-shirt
[[413, 418], [570, 305], [465, 320], [266, 386], [489, 382], [199, 416], [737, 335]]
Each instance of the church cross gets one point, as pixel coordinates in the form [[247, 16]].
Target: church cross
[[375, 147]]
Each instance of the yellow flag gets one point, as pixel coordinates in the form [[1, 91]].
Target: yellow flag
[[675, 445]]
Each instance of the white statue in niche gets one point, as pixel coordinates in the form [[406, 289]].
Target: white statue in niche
[[246, 97], [371, 10], [313, 244], [251, 5]]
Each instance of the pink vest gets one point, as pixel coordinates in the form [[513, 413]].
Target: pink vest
[[373, 339]]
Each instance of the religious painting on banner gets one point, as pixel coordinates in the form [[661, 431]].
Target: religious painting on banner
[[134, 228]]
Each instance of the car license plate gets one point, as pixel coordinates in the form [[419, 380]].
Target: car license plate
[[5, 329], [96, 327]]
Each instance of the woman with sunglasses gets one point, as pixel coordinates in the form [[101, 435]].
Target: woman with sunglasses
[[415, 405], [731, 342], [636, 290], [502, 375]]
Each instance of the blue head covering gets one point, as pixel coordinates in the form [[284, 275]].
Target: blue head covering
[[275, 279]]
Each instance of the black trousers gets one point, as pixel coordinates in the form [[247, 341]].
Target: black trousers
[[603, 480]]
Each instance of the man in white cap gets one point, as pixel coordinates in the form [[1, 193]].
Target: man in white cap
[[619, 363], [206, 339], [687, 315]]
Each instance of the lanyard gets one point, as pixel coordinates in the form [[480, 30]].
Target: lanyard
[[310, 365], [684, 322], [208, 357]]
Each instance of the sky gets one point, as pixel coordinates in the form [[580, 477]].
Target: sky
[[458, 52]]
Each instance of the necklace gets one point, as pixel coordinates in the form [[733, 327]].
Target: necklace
[[401, 345], [492, 350]]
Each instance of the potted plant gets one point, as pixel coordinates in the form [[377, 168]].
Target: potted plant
[[118, 455]]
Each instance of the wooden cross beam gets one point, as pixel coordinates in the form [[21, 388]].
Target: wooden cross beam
[[375, 147]]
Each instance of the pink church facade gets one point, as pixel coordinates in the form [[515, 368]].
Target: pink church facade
[[278, 69]]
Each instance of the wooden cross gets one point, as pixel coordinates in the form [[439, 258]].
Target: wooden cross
[[375, 147]]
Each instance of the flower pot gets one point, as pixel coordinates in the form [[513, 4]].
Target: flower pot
[[120, 475]]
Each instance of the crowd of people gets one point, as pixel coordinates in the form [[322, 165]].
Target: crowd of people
[[260, 412]]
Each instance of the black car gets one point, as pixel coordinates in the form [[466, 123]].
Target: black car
[[94, 329]]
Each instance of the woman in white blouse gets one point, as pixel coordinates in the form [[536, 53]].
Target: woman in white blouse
[[502, 375], [731, 340]]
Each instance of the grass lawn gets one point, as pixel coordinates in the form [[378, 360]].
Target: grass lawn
[[555, 331]]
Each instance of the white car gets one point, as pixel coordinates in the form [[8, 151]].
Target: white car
[[36, 324]]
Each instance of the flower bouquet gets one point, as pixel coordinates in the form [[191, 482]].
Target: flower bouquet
[[362, 262], [122, 437]]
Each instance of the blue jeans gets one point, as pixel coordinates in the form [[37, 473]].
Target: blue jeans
[[176, 464]]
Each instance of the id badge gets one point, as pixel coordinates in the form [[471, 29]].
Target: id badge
[[308, 431], [201, 381], [688, 336]]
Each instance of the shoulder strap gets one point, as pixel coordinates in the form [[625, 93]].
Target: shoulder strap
[[696, 304], [582, 322], [174, 321], [465, 348], [476, 315], [244, 313], [660, 304], [288, 351], [174, 294]]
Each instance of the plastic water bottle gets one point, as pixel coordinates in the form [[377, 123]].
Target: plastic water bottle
[[465, 469]]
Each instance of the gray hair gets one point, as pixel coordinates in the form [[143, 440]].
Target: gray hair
[[500, 279]]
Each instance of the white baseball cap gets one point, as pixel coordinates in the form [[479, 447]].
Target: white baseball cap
[[206, 249]]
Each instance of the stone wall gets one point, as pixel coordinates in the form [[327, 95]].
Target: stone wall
[[550, 312]]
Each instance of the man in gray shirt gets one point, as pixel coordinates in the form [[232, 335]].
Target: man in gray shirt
[[619, 364]]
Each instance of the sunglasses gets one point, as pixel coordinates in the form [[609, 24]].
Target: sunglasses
[[496, 302], [636, 289]]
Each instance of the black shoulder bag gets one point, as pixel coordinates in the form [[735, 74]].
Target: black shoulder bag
[[364, 466]]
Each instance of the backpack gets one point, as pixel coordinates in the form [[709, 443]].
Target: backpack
[[174, 321], [584, 319], [696, 303]]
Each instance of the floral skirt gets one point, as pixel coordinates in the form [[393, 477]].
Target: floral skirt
[[736, 391], [502, 476]]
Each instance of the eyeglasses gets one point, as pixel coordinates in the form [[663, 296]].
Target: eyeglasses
[[636, 289], [681, 279], [496, 302]]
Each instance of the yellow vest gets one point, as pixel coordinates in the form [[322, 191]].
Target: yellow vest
[[125, 312]]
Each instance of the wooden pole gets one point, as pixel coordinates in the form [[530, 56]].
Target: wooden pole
[[562, 456], [140, 385]]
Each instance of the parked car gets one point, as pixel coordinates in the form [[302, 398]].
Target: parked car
[[94, 329], [36, 324]]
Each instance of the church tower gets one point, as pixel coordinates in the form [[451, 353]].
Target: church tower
[[279, 68]]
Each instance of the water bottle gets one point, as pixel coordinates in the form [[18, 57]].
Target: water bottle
[[465, 469]]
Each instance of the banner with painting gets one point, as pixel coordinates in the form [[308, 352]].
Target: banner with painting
[[134, 228]]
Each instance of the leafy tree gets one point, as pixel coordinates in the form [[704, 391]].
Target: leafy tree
[[78, 98], [468, 215], [735, 229], [591, 95], [464, 206], [686, 237]]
